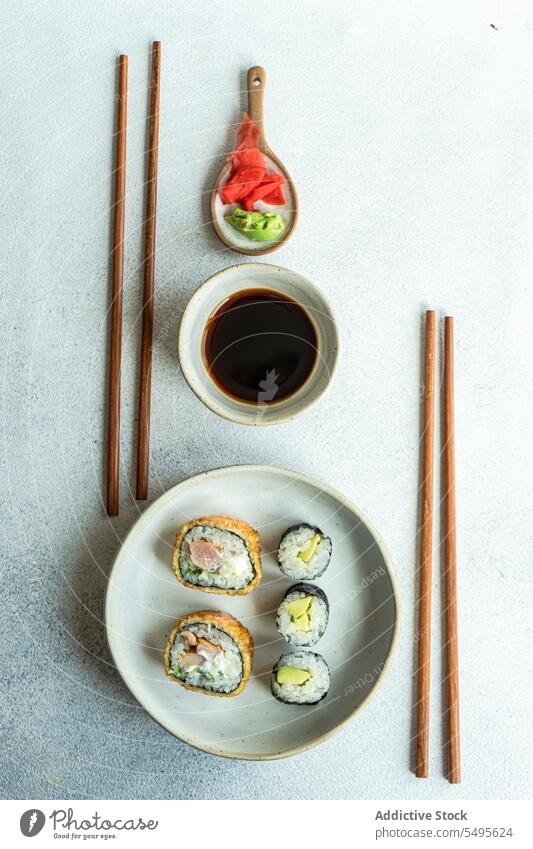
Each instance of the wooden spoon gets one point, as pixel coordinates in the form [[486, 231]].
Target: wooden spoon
[[256, 81]]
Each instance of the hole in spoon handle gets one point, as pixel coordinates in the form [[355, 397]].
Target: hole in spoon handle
[[256, 89]]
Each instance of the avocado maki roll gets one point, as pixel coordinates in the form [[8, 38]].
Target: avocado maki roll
[[300, 678], [304, 552], [218, 554], [209, 652], [303, 615]]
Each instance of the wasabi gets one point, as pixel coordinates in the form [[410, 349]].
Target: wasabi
[[259, 226]]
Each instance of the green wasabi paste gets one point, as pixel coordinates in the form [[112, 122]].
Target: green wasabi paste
[[259, 226]]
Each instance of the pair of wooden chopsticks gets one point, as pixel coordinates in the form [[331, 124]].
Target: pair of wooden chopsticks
[[450, 556], [143, 443]]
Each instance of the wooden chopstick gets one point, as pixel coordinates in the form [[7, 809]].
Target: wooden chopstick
[[452, 648], [143, 438], [426, 547], [113, 442]]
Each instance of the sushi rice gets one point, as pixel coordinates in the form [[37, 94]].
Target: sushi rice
[[315, 689], [293, 543], [222, 673]]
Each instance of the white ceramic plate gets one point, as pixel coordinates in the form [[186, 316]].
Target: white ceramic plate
[[144, 599]]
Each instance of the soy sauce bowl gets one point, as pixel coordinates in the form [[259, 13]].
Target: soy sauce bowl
[[209, 297]]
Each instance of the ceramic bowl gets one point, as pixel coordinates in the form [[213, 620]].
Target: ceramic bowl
[[209, 296]]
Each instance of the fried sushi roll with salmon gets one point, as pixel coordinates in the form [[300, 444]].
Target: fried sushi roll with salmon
[[209, 652], [218, 554]]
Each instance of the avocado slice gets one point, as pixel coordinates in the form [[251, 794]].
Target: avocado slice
[[310, 549], [290, 675], [298, 607], [303, 623]]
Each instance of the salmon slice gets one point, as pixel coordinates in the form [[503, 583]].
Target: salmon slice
[[189, 637], [206, 555], [190, 658], [207, 649]]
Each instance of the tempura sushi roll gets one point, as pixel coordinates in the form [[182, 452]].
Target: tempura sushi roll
[[304, 552], [303, 615], [218, 554], [209, 652], [300, 678]]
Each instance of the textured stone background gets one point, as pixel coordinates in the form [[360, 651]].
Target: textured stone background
[[409, 134]]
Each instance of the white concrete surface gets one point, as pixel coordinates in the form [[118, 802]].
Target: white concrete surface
[[408, 129]]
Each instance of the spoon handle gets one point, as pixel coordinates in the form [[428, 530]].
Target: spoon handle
[[256, 88]]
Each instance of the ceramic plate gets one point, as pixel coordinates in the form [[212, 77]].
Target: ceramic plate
[[144, 599]]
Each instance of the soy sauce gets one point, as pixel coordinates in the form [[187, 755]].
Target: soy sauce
[[259, 346]]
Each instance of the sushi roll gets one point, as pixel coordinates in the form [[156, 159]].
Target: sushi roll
[[300, 678], [303, 615], [218, 554], [304, 552], [209, 652]]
